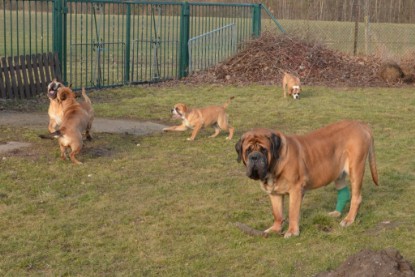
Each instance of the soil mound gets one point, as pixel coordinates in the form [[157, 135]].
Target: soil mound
[[264, 60], [367, 263]]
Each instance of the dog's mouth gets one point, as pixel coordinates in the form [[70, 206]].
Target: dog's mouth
[[176, 114], [257, 166], [53, 89]]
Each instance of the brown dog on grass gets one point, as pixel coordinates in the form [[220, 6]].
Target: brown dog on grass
[[293, 84], [55, 110], [75, 121], [196, 119], [291, 165]]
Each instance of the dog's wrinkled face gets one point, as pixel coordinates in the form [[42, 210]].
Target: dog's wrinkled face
[[53, 89], [179, 111], [259, 150], [295, 92]]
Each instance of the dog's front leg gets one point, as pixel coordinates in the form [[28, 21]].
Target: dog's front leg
[[277, 201], [182, 127], [296, 197], [52, 125], [195, 131]]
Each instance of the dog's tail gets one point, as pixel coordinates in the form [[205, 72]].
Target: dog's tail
[[86, 98], [372, 163], [228, 102]]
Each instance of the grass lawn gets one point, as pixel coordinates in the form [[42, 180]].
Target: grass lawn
[[161, 205]]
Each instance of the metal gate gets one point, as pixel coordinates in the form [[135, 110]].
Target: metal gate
[[102, 43]]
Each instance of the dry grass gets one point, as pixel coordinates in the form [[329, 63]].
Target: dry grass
[[160, 205]]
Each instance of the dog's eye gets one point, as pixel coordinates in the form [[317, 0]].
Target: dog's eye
[[264, 150], [248, 151]]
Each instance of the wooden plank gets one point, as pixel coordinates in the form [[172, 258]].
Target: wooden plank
[[2, 82], [26, 84], [15, 91], [19, 77], [36, 85], [41, 73], [46, 63], [57, 68], [32, 85], [7, 79]]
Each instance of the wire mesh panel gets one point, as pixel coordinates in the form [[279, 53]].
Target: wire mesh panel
[[205, 17], [96, 36], [155, 35], [25, 27], [212, 47], [103, 43]]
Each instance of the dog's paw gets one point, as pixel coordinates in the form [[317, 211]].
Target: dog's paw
[[346, 222], [190, 139], [334, 214], [273, 229], [290, 234]]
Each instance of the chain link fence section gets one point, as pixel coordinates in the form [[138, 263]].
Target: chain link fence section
[[212, 47]]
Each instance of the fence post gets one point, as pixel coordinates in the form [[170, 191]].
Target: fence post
[[256, 20], [184, 39], [127, 46], [60, 10]]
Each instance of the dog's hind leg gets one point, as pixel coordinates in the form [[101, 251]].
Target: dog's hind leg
[[63, 152], [88, 133], [72, 155], [217, 131], [356, 173], [224, 125]]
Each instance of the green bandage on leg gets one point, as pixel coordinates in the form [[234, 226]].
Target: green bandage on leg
[[343, 196]]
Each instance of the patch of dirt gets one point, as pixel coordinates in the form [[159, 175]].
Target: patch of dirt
[[12, 146], [102, 125], [369, 263], [40, 121], [264, 60]]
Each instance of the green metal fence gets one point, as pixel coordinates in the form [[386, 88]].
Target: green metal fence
[[104, 43]]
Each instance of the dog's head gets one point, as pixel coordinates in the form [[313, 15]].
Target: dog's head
[[259, 151], [179, 110], [53, 89], [295, 92], [65, 94]]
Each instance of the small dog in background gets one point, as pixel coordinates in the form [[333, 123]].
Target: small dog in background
[[293, 84], [55, 110], [75, 121], [196, 119]]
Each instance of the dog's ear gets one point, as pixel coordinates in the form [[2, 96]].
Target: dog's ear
[[275, 146], [62, 95], [238, 148]]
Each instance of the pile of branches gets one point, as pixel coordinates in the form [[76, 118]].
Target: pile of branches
[[264, 60]]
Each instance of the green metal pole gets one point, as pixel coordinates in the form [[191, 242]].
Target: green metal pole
[[57, 27], [59, 32], [256, 20], [184, 39], [127, 45]]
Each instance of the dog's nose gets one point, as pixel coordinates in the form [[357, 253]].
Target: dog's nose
[[254, 156]]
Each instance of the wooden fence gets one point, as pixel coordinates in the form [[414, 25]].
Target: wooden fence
[[26, 76]]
